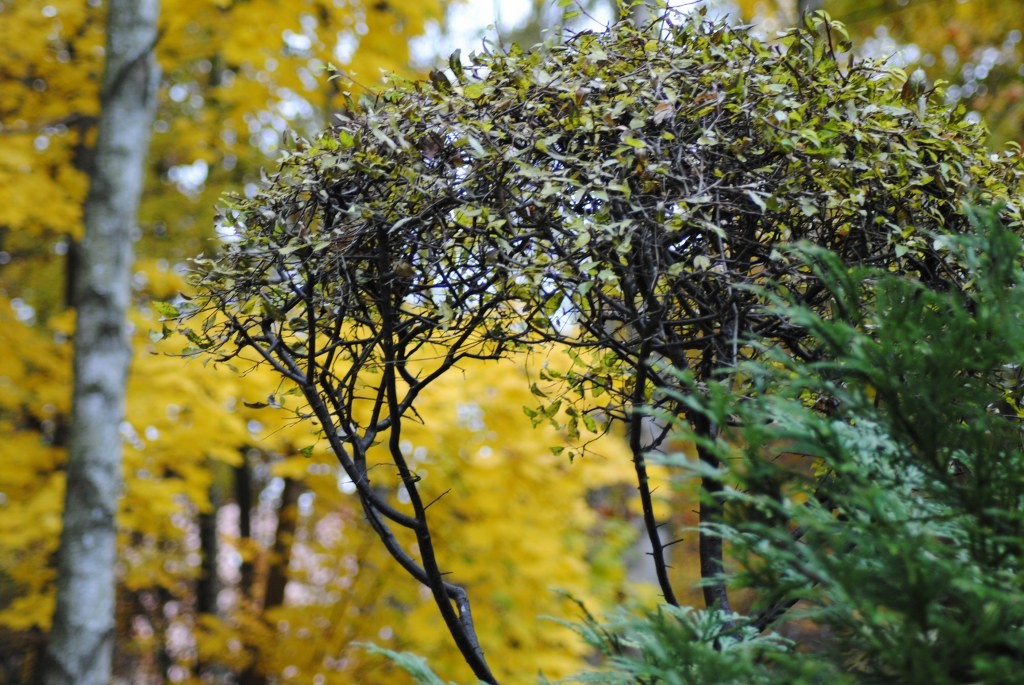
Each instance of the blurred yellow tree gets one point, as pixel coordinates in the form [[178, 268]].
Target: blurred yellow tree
[[240, 555], [237, 75], [517, 526]]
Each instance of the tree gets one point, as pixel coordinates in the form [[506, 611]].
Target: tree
[[228, 69], [550, 526], [82, 640], [194, 453], [975, 45], [896, 556], [625, 195]]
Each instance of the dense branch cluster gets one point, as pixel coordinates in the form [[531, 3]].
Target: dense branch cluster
[[628, 193]]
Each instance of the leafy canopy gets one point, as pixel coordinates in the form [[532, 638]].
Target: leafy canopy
[[626, 178], [628, 194]]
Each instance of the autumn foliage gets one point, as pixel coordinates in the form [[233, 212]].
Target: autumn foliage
[[569, 220], [623, 198], [243, 554], [974, 46]]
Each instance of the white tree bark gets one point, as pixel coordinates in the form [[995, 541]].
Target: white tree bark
[[81, 641]]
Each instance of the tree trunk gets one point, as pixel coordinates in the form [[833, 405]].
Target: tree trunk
[[82, 636], [209, 584], [284, 539], [280, 557], [712, 553], [244, 498]]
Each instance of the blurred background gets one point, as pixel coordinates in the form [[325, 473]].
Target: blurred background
[[244, 557]]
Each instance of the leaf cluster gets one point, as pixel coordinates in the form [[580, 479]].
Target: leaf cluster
[[631, 194], [623, 187], [897, 557]]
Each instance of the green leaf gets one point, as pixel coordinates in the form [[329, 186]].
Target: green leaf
[[441, 83], [415, 665], [455, 62], [199, 341], [166, 309], [474, 91], [552, 409], [757, 200]]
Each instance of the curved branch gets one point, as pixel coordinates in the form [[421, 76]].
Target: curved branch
[[644, 486]]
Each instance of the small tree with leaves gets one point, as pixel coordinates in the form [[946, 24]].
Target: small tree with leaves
[[622, 193], [898, 554]]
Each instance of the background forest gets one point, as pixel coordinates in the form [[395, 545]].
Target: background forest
[[243, 554]]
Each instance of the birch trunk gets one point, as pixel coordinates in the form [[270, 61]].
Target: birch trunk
[[82, 637]]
